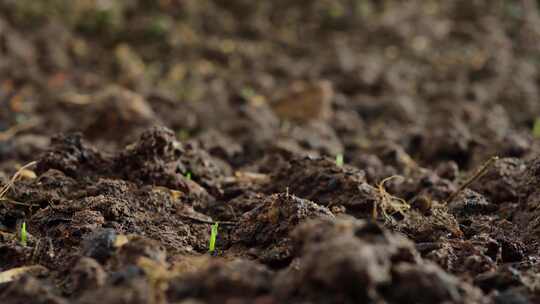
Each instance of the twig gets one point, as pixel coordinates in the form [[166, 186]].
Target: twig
[[8, 186], [479, 173], [207, 222]]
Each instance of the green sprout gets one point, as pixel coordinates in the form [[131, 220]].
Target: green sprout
[[247, 93], [183, 134], [213, 236], [536, 128], [339, 160], [336, 11], [158, 27], [24, 235], [188, 175]]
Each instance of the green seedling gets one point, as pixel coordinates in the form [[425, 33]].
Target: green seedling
[[213, 236], [183, 134], [188, 175], [247, 93], [336, 11], [339, 160], [536, 128], [24, 235], [158, 26]]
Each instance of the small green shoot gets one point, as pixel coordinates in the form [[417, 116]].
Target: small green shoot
[[183, 134], [339, 160], [213, 236], [24, 235], [247, 93], [536, 128], [188, 175]]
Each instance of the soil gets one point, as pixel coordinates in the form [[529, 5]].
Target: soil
[[146, 122]]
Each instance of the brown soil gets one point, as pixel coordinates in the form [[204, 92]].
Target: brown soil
[[149, 121]]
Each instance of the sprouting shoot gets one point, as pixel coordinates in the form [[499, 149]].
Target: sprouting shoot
[[213, 236], [339, 160], [24, 235], [536, 128]]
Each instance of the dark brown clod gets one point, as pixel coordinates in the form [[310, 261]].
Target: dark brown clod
[[512, 250]]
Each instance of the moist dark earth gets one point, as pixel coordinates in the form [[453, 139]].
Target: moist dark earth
[[145, 122]]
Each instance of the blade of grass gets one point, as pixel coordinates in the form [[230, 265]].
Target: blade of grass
[[213, 236], [339, 160], [536, 128], [24, 235]]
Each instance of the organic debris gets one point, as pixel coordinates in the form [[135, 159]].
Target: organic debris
[[389, 204]]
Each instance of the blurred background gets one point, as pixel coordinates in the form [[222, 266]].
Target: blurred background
[[385, 82]]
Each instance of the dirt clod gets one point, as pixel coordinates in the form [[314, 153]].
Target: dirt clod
[[267, 227]]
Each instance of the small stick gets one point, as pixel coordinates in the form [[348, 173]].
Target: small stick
[[6, 188], [479, 173], [187, 217]]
